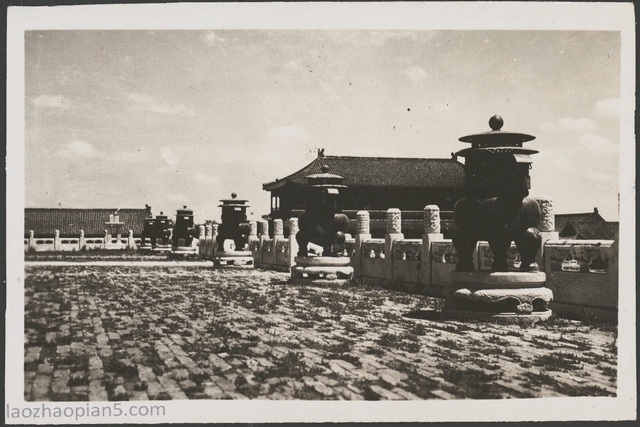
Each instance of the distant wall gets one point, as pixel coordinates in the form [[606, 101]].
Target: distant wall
[[80, 243]]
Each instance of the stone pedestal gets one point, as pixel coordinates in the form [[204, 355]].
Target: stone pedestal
[[242, 259], [321, 270], [183, 252], [512, 297]]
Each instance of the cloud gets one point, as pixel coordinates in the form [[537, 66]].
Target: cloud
[[295, 65], [288, 134], [149, 103], [547, 126], [596, 144], [609, 108], [380, 37], [211, 38], [569, 124], [415, 74], [79, 149], [49, 101], [283, 144], [203, 178], [169, 156]]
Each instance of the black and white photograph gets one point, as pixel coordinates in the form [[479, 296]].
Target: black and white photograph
[[320, 212]]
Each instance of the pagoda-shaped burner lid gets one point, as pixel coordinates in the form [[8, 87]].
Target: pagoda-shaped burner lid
[[185, 211], [233, 202], [325, 179], [497, 141]]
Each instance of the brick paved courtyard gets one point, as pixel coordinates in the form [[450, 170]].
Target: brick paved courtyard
[[157, 333]]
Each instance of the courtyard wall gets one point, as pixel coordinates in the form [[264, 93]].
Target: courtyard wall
[[583, 274]]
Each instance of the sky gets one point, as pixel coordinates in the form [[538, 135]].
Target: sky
[[168, 118]]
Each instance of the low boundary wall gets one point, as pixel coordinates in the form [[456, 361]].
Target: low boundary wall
[[80, 243], [583, 274]]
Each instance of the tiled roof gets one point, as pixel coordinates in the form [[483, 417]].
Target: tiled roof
[[44, 221], [382, 172], [562, 220], [599, 230]]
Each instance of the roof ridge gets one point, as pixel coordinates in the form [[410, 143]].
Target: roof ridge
[[359, 162], [87, 209], [291, 174], [388, 158]]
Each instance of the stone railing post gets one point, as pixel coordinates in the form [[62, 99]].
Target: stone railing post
[[394, 232], [278, 228], [263, 228], [56, 240], [32, 241], [363, 232], [263, 234], [131, 244], [293, 243], [253, 237], [547, 226], [201, 235], [214, 244], [204, 252], [82, 244], [106, 239], [431, 233], [201, 239], [278, 234]]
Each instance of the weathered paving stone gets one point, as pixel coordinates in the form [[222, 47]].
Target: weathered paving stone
[[213, 391], [97, 392], [171, 387], [180, 374], [158, 339], [405, 394], [32, 355], [45, 368], [224, 384], [28, 382], [441, 394], [319, 387], [120, 393], [40, 387], [219, 363], [348, 394], [384, 393]]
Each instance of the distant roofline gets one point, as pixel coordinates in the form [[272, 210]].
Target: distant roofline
[[90, 209], [273, 184]]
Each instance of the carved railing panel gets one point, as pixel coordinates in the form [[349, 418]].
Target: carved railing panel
[[350, 247], [485, 257], [267, 245], [587, 256], [408, 250], [443, 252], [373, 248]]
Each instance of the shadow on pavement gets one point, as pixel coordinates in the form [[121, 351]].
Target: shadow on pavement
[[434, 315]]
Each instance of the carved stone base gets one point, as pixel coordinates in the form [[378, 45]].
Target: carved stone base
[[511, 297], [184, 252], [236, 259], [145, 248], [321, 270], [502, 318]]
